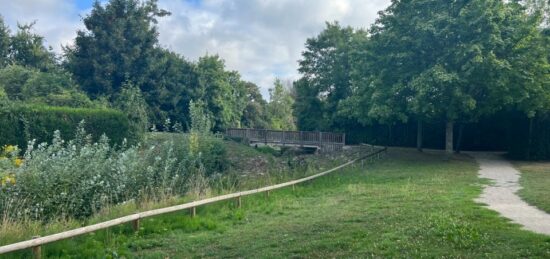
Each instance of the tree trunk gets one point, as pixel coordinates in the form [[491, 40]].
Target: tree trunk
[[390, 136], [530, 138], [459, 140], [419, 136], [449, 137]]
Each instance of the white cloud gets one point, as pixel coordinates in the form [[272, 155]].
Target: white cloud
[[262, 39], [56, 20]]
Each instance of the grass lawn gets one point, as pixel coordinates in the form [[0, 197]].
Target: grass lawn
[[407, 205], [535, 180]]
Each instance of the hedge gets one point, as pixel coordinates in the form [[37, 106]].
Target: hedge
[[21, 123], [504, 131]]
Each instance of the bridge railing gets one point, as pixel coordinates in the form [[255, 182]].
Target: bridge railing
[[304, 138]]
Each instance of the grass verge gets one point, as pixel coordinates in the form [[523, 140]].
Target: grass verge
[[535, 180], [409, 205]]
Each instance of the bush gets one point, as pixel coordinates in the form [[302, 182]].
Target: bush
[[213, 155], [79, 177], [55, 88], [22, 123]]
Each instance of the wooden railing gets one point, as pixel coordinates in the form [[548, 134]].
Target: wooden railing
[[322, 140], [36, 243]]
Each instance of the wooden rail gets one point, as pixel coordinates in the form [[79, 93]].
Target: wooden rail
[[134, 218], [326, 141]]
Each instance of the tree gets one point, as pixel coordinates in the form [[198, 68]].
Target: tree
[[118, 44], [27, 49], [440, 60], [222, 92], [254, 114], [532, 63], [280, 107], [131, 102], [306, 107], [172, 83], [377, 96], [54, 88], [4, 43], [325, 69], [539, 7]]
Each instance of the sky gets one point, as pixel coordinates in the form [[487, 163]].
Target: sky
[[262, 39]]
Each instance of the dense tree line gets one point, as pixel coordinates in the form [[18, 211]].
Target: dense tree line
[[428, 61], [116, 61]]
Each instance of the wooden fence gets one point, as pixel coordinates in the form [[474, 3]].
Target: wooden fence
[[36, 243], [326, 141]]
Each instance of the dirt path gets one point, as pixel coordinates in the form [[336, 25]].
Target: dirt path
[[501, 195]]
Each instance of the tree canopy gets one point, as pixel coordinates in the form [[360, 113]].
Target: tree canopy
[[117, 45]]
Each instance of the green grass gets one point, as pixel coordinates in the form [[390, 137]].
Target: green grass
[[408, 205], [535, 180]]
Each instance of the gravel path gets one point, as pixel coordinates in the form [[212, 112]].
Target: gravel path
[[501, 195]]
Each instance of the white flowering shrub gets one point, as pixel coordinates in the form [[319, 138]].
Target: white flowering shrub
[[77, 178]]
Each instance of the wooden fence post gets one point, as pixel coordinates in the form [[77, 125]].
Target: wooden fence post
[[344, 139], [193, 212], [37, 250], [135, 224], [267, 194], [239, 202]]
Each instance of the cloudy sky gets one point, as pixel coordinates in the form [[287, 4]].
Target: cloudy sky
[[262, 39]]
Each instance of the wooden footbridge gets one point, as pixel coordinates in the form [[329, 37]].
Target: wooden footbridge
[[325, 141]]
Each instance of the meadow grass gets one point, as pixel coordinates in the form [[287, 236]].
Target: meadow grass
[[407, 205], [535, 180]]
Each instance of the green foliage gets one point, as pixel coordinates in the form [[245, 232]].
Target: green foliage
[[54, 87], [201, 122], [169, 88], [535, 179], [387, 210], [117, 45], [280, 106], [22, 123], [27, 49], [222, 92], [130, 101], [4, 43], [78, 178], [255, 113], [326, 67]]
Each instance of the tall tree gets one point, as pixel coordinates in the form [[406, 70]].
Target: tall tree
[[443, 60], [27, 49], [4, 43], [171, 84], [223, 92], [255, 112], [280, 107], [325, 69], [539, 7], [118, 44]]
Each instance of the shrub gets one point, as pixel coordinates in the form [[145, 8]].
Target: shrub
[[131, 102], [79, 177], [76, 178], [22, 123]]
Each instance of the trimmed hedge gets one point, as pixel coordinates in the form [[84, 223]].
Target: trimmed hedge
[[21, 123]]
